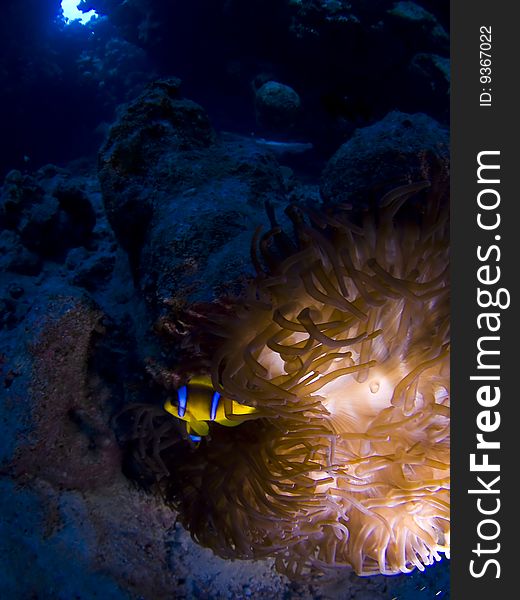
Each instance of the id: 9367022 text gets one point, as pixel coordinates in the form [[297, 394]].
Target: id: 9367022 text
[[485, 65]]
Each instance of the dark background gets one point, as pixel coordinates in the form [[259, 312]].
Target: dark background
[[61, 84]]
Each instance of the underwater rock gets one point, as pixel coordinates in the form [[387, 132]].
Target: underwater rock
[[72, 445], [278, 106], [12, 309], [49, 213], [420, 27], [15, 258], [16, 291], [435, 69], [146, 136], [95, 272], [416, 16], [400, 148], [412, 12], [7, 312], [182, 202], [54, 234]]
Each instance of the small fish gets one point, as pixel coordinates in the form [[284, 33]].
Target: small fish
[[199, 404], [281, 148]]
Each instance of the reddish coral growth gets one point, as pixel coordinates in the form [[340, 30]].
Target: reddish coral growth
[[72, 445]]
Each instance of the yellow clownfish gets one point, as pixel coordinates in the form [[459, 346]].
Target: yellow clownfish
[[198, 404]]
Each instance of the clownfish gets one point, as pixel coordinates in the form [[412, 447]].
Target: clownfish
[[198, 404]]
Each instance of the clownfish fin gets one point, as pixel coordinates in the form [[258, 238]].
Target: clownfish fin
[[243, 409], [198, 427]]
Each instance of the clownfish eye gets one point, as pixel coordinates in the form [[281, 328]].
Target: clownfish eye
[[182, 396]]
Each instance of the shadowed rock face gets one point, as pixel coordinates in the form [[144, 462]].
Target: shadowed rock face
[[396, 150], [183, 202]]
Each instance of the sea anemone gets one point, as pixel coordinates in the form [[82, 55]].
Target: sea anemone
[[342, 344]]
